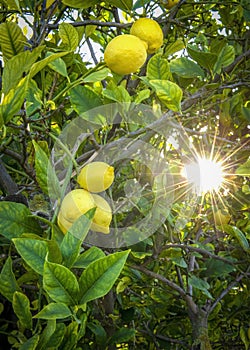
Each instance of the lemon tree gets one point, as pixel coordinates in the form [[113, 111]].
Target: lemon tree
[[147, 88]]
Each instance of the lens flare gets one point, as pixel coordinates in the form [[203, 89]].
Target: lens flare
[[204, 174]]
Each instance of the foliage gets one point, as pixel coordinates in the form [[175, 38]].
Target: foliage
[[185, 286]]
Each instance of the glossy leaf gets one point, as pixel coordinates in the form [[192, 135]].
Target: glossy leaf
[[204, 59], [69, 36], [72, 241], [96, 76], [80, 3], [54, 311], [33, 252], [200, 284], [123, 334], [117, 94], [158, 68], [60, 283], [8, 283], [15, 219], [13, 101], [71, 336], [17, 66], [30, 344], [174, 47], [186, 68], [100, 276], [84, 99], [240, 236], [38, 66], [225, 58], [46, 335], [89, 256], [41, 166], [12, 40], [57, 337], [169, 93], [21, 306]]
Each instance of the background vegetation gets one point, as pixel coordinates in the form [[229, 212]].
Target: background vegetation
[[184, 287]]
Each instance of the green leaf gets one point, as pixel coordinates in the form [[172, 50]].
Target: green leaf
[[57, 337], [54, 311], [244, 169], [117, 93], [84, 99], [169, 93], [100, 276], [123, 335], [70, 337], [33, 98], [69, 36], [80, 4], [158, 68], [12, 5], [60, 67], [96, 76], [204, 59], [46, 335], [225, 58], [60, 283], [8, 283], [12, 40], [90, 255], [200, 284], [41, 167], [125, 5], [186, 68], [33, 252], [239, 235], [15, 219], [16, 66], [38, 66], [13, 101], [21, 307], [99, 332], [217, 268], [72, 241], [174, 47], [142, 95], [30, 344]]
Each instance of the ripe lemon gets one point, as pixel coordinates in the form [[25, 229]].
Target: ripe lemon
[[63, 224], [96, 176], [103, 215], [125, 54], [168, 4], [74, 204], [221, 217], [149, 31]]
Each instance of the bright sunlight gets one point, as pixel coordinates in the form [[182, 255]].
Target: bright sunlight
[[205, 175]]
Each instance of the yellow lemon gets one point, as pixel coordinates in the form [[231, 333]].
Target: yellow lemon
[[96, 176], [168, 4], [63, 224], [149, 31], [75, 204], [221, 217], [103, 215], [125, 54]]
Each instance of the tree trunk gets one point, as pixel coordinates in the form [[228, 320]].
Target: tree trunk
[[199, 330]]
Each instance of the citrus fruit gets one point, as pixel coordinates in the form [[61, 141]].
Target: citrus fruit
[[96, 176], [149, 31], [221, 217], [125, 54], [103, 215], [168, 4], [76, 203]]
